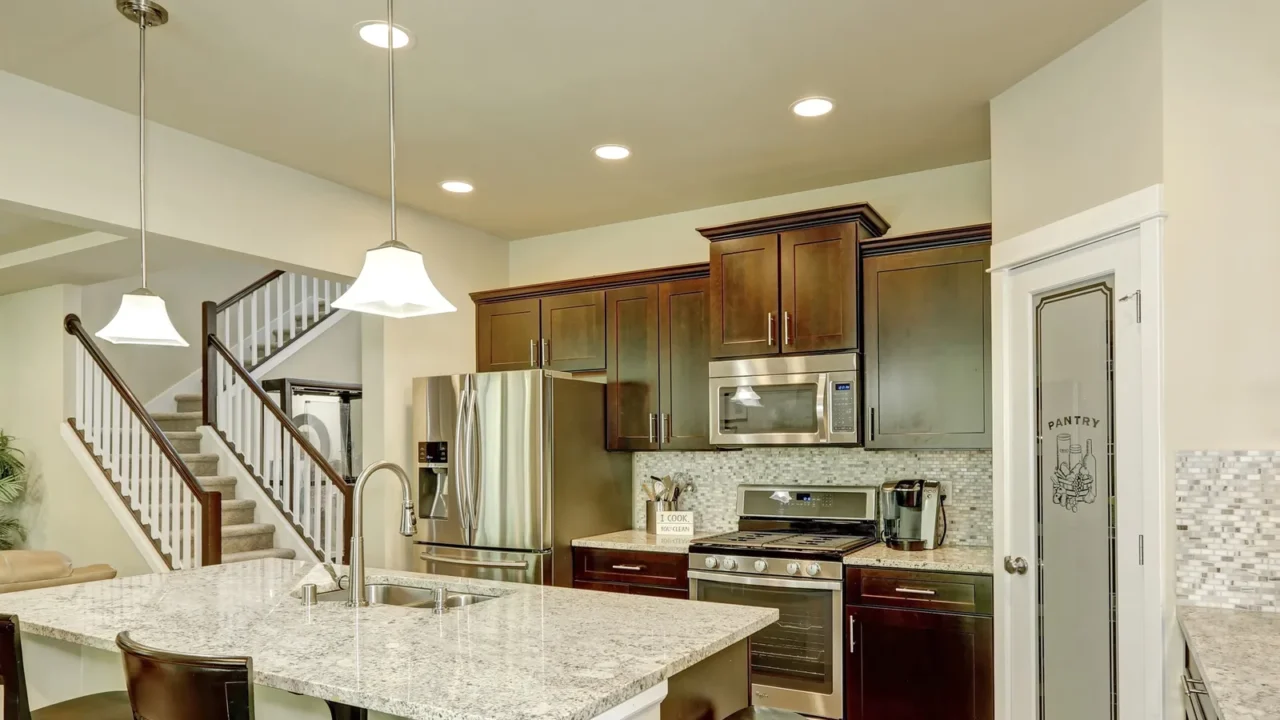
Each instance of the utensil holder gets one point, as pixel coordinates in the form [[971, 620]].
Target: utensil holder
[[651, 510]]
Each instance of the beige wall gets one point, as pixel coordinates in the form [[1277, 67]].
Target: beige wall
[[63, 511], [1222, 181], [332, 356], [1081, 131], [928, 200]]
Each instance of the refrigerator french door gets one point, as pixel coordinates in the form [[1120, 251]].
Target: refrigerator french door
[[796, 663], [495, 451]]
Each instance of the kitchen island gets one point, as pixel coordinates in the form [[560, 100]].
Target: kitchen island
[[531, 653]]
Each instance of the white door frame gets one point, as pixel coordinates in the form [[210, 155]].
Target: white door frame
[[1142, 211]]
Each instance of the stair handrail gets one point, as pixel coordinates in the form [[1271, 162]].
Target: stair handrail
[[246, 292], [210, 500], [215, 347]]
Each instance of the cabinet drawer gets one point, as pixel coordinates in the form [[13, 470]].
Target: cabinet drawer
[[628, 589], [668, 570], [941, 592]]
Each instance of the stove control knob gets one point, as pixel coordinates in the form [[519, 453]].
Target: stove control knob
[[793, 568], [813, 569], [761, 566], [712, 563], [729, 564]]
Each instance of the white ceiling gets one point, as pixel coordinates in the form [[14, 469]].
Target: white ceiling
[[19, 232], [513, 94]]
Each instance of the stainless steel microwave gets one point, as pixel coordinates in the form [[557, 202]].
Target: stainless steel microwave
[[798, 400]]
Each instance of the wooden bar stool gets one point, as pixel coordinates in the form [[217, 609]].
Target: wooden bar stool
[[106, 706], [169, 686]]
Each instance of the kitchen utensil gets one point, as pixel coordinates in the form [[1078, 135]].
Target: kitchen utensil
[[648, 490], [660, 489]]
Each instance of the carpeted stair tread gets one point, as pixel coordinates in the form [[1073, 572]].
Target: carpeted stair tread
[[248, 529]]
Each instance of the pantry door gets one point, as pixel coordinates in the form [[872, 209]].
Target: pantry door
[[1070, 497]]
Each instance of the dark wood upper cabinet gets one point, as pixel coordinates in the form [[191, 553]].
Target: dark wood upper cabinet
[[573, 330], [819, 268], [927, 348], [682, 327], [788, 284], [912, 665], [507, 335], [744, 297], [633, 363]]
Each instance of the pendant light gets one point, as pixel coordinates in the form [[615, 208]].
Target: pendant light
[[746, 396], [393, 281], [142, 318]]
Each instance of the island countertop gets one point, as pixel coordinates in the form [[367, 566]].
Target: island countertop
[[1236, 652], [534, 653]]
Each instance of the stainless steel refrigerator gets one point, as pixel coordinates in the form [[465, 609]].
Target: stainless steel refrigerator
[[511, 467]]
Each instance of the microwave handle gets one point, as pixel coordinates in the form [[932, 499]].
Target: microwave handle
[[820, 411]]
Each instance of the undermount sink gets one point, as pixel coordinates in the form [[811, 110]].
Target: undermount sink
[[405, 596]]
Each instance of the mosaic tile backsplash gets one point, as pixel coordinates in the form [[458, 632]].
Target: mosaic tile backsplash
[[717, 475], [1227, 514]]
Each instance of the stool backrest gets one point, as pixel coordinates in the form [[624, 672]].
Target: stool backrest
[[14, 704], [169, 686]]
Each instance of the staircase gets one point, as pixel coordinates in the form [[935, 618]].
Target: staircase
[[242, 538]]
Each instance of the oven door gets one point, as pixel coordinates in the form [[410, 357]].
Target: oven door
[[769, 409], [796, 663]]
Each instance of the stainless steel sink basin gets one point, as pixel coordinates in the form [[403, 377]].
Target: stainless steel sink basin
[[405, 596]]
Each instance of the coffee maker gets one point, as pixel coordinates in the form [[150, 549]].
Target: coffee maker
[[909, 514]]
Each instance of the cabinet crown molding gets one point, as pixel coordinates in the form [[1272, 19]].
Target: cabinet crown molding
[[595, 282], [861, 213]]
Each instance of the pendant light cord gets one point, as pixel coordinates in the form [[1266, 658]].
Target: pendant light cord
[[391, 106], [142, 138]]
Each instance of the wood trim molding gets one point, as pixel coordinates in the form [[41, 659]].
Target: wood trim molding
[[861, 213], [964, 235], [595, 282]]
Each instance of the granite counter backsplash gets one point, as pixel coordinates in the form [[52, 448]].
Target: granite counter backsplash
[[718, 474], [1227, 512]]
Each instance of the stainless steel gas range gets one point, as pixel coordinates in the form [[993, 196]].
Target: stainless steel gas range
[[788, 553]]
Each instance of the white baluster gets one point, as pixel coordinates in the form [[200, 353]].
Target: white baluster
[[199, 539], [327, 288], [280, 310], [332, 509], [292, 316], [240, 332], [226, 327], [153, 492], [144, 465], [315, 301], [253, 331], [135, 440], [79, 387]]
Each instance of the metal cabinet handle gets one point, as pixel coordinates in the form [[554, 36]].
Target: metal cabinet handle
[[546, 352], [786, 328], [1015, 565], [631, 568], [533, 353], [914, 591], [1194, 703], [852, 642], [664, 427], [1189, 686], [768, 321], [873, 423], [653, 428]]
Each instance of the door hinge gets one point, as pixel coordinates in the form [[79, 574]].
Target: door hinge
[[1136, 297], [1141, 550]]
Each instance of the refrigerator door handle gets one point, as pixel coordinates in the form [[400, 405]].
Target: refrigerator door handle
[[460, 476], [473, 473], [507, 564]]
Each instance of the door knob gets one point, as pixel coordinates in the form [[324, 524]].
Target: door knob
[[1015, 565]]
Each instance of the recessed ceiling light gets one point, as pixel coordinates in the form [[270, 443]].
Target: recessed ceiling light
[[811, 106], [374, 32], [457, 186], [611, 152]]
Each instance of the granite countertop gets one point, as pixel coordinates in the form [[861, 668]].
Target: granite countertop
[[948, 558], [640, 541], [1236, 652], [536, 652]]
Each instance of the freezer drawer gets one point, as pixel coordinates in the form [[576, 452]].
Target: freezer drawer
[[522, 567]]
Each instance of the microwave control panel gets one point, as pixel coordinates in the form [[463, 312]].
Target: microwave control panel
[[844, 408]]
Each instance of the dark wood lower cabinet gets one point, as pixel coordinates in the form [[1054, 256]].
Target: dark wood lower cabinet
[[656, 574], [915, 665]]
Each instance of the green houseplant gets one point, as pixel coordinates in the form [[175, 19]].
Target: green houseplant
[[13, 483]]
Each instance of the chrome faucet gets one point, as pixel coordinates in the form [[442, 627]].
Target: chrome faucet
[[408, 522]]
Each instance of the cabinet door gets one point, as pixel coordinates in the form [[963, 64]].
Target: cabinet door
[[910, 665], [682, 322], [744, 297], [927, 345], [632, 394], [507, 335], [819, 275], [573, 331]]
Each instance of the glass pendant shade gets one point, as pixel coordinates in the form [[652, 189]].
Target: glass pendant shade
[[746, 395], [394, 283], [141, 320]]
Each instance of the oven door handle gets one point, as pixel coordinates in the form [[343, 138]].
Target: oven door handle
[[759, 581]]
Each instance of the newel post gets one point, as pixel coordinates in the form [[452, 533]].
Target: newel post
[[209, 389]]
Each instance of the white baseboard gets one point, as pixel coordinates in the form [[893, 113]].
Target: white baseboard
[[123, 514], [247, 487], [191, 384]]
